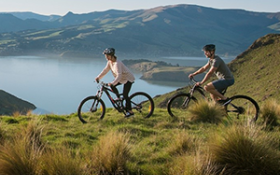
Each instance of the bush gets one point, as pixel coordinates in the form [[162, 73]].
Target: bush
[[22, 154], [206, 112], [111, 154], [245, 150], [270, 112]]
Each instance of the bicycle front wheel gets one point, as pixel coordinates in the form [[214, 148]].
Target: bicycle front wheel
[[243, 108], [90, 109], [178, 105], [142, 104]]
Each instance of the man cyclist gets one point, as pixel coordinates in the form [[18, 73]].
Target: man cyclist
[[216, 66]]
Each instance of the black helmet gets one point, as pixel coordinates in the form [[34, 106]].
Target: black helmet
[[109, 51], [209, 47]]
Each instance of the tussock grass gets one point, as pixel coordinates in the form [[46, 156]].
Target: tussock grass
[[22, 154], [62, 161], [270, 112], [181, 143], [204, 111], [244, 150], [111, 154]]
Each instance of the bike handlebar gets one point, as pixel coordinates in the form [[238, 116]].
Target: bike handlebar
[[193, 80]]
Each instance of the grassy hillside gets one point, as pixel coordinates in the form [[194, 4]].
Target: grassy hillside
[[257, 69], [48, 144], [9, 104]]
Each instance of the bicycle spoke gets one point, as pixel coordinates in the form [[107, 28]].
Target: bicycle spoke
[[91, 109], [142, 104], [244, 108], [178, 105]]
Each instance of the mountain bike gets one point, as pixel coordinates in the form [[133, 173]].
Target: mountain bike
[[240, 106], [93, 107]]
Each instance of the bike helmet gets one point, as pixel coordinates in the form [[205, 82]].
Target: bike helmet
[[209, 47], [109, 51]]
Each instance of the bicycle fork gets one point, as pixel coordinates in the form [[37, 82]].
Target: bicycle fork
[[94, 105]]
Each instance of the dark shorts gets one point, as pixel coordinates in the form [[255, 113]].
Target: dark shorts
[[222, 84]]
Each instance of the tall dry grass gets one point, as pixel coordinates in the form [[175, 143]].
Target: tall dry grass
[[111, 154], [270, 112], [21, 155], [182, 142], [244, 150], [204, 111], [62, 161]]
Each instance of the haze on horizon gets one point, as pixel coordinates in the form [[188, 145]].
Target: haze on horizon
[[62, 7]]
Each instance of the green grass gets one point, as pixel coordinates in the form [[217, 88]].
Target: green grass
[[115, 145]]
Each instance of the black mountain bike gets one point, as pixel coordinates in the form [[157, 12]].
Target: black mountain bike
[[240, 106], [93, 107]]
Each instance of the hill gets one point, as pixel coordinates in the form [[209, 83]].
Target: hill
[[257, 69], [9, 104], [179, 30]]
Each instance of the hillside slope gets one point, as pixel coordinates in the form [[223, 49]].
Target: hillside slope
[[256, 70], [10, 104]]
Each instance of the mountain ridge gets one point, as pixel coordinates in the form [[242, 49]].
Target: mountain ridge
[[179, 30]]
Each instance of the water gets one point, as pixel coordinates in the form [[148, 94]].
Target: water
[[57, 85]]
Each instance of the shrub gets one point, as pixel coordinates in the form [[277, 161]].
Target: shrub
[[111, 154], [21, 155], [245, 150], [61, 162], [181, 143], [270, 112], [206, 112]]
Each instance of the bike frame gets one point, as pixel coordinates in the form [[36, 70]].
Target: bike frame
[[105, 88]]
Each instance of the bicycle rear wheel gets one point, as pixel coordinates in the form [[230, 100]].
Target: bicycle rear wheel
[[243, 108], [178, 105], [142, 104], [91, 108]]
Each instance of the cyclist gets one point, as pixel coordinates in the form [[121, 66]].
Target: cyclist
[[122, 76], [216, 66]]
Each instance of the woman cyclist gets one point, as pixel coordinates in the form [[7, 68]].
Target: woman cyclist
[[122, 76]]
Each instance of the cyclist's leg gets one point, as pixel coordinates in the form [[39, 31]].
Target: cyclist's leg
[[115, 90], [216, 87], [126, 90]]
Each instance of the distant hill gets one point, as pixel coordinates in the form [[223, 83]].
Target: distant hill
[[10, 104], [179, 30], [31, 15]]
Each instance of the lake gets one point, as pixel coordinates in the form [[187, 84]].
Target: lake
[[57, 85]]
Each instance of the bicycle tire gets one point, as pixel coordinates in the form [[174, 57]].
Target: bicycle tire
[[142, 104], [85, 111], [177, 106], [243, 108]]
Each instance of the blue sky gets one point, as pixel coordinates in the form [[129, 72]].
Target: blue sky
[[61, 7]]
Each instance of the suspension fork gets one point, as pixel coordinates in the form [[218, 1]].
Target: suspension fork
[[95, 103]]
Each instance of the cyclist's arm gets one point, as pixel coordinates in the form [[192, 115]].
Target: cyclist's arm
[[103, 72], [208, 75], [201, 70]]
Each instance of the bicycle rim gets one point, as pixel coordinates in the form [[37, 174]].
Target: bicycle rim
[[243, 108], [142, 104], [178, 105], [91, 109]]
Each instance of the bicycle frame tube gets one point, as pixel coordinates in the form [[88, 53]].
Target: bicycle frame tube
[[107, 91]]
